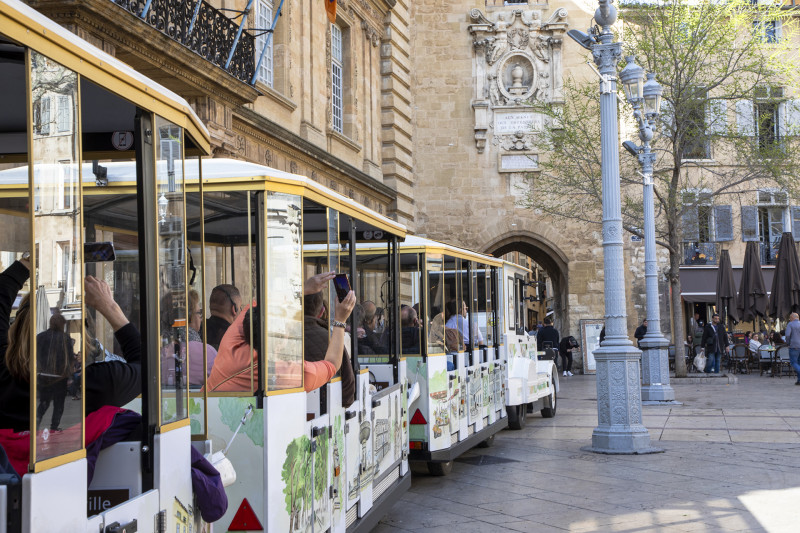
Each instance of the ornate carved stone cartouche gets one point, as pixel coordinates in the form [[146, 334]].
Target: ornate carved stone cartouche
[[516, 59]]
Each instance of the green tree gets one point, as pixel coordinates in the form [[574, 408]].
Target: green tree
[[295, 474], [718, 135]]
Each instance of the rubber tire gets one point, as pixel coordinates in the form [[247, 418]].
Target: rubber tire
[[488, 443], [440, 469], [517, 415], [550, 412]]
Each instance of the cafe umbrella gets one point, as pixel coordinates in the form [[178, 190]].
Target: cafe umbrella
[[726, 289], [785, 294], [752, 299]]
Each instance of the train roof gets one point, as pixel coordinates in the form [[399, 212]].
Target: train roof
[[28, 27]]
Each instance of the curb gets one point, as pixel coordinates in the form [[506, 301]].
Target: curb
[[721, 379]]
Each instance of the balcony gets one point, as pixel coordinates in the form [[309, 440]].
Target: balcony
[[202, 28], [700, 253]]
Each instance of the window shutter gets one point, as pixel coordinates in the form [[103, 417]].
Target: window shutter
[[749, 223], [789, 120], [717, 117], [689, 224], [723, 223], [745, 118], [795, 212]]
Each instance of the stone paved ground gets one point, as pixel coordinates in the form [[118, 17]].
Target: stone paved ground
[[731, 463]]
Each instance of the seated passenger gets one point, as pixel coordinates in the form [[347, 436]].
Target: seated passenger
[[458, 320], [196, 369], [409, 334], [231, 371], [317, 346], [370, 342], [754, 344], [112, 383], [224, 305]]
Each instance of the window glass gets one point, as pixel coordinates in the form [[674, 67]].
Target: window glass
[[370, 313], [230, 229], [56, 315], [200, 356], [410, 291], [453, 306], [263, 23], [284, 285], [337, 79], [435, 304], [172, 290], [491, 319]]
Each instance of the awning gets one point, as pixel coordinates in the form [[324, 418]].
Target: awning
[[698, 283]]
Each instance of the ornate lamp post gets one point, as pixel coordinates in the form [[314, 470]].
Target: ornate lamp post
[[646, 101], [619, 402]]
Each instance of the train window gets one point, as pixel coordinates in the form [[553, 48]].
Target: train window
[[56, 309], [475, 308], [488, 295], [373, 310], [410, 291], [453, 305], [435, 304], [200, 356], [481, 306], [284, 285], [172, 290], [230, 229]]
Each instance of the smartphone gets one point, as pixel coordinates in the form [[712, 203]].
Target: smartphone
[[342, 285], [95, 252]]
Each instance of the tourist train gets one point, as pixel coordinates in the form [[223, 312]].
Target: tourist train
[[102, 174]]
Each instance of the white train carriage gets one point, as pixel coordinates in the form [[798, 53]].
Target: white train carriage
[[462, 354]]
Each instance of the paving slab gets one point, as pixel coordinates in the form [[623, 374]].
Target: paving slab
[[731, 464]]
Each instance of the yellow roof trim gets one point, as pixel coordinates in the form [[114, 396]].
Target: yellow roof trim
[[30, 28]]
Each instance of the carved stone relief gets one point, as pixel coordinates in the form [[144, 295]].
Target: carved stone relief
[[517, 59]]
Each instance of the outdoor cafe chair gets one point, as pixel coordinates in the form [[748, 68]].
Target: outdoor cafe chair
[[766, 358], [782, 359], [739, 357]]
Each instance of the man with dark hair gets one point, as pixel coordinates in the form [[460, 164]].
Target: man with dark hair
[[224, 305], [55, 355], [409, 335], [547, 334], [315, 331], [715, 342]]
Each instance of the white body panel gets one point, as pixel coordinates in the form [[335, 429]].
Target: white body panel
[[46, 506]]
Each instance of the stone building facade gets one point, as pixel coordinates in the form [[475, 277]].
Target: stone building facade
[[474, 65]]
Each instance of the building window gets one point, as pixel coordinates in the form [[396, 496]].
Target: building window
[[695, 145], [41, 116], [766, 108], [337, 80], [63, 114], [66, 186], [769, 31], [766, 221], [704, 225], [263, 23]]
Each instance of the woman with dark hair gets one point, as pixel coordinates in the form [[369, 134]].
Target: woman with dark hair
[[53, 361], [109, 383]]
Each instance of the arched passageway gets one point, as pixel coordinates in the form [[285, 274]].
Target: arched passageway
[[550, 258]]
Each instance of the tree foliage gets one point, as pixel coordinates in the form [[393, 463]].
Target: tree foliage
[[711, 58]]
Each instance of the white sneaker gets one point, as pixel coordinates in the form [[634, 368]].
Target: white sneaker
[[565, 373], [569, 373]]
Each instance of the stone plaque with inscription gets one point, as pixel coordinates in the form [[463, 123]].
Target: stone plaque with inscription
[[518, 162], [513, 122]]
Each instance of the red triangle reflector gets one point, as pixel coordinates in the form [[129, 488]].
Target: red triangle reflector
[[245, 519], [418, 418]]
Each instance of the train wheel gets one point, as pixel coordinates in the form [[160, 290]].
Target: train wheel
[[487, 443], [550, 410], [440, 469], [516, 415]]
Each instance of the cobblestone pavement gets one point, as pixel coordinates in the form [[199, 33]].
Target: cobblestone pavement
[[731, 463]]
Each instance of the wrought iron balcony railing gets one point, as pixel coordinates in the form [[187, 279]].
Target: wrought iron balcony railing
[[202, 28], [700, 253]]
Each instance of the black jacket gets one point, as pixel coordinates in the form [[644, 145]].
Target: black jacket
[[315, 347], [640, 332], [547, 334], [112, 383], [714, 342]]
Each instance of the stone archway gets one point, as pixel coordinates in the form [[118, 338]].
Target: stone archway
[[549, 257]]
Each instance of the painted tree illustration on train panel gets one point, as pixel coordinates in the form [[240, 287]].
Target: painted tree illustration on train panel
[[296, 473]]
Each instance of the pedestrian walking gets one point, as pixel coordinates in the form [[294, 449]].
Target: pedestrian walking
[[715, 341], [793, 339]]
